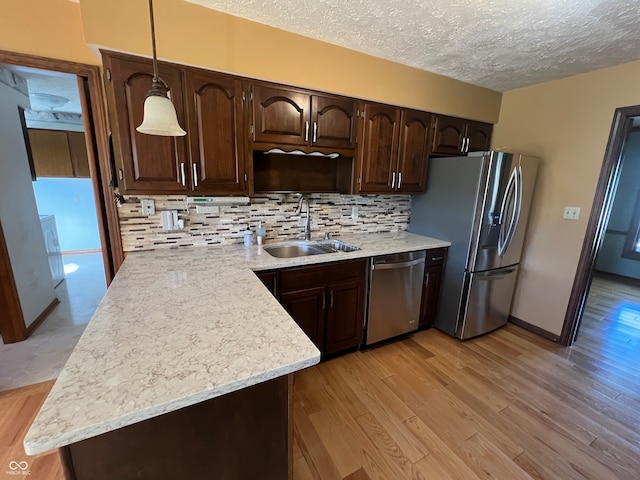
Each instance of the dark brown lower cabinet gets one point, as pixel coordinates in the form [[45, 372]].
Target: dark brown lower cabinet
[[433, 272], [327, 301], [345, 315], [308, 308], [270, 280], [240, 435]]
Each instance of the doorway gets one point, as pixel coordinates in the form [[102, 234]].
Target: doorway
[[622, 127], [96, 151]]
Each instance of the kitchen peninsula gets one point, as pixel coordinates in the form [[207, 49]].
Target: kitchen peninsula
[[185, 369]]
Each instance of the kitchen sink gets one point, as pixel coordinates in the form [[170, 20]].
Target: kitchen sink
[[292, 250], [306, 248]]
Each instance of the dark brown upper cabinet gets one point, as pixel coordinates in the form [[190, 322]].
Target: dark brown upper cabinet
[[215, 127], [379, 150], [210, 160], [147, 163], [284, 116], [479, 136], [457, 136], [394, 151], [413, 153]]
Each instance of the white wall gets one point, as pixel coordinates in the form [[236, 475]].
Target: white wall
[[19, 214]]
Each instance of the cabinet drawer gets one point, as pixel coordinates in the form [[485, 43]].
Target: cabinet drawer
[[299, 278], [436, 256]]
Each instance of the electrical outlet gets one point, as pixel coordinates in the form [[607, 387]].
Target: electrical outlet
[[148, 206], [354, 212], [571, 213]]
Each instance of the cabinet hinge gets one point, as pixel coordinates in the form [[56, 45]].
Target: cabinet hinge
[[360, 180], [107, 74], [244, 97], [120, 174], [251, 96], [251, 129], [246, 177]]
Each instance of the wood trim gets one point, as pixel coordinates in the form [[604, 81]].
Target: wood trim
[[42, 317], [100, 162], [12, 323], [534, 329], [602, 203]]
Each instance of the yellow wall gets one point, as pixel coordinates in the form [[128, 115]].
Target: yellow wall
[[48, 28], [191, 34], [566, 123]]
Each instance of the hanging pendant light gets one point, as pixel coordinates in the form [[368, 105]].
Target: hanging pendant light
[[159, 113]]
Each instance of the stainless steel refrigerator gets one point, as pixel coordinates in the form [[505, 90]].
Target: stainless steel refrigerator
[[480, 203]]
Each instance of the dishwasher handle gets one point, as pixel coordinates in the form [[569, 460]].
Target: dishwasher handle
[[389, 266]]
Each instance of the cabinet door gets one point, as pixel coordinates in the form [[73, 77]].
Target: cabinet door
[[479, 135], [215, 106], [307, 308], [430, 294], [345, 315], [280, 116], [333, 122], [79, 155], [448, 135], [379, 149], [413, 153], [151, 163], [50, 152]]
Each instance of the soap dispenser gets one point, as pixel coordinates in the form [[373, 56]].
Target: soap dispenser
[[248, 236], [260, 233]]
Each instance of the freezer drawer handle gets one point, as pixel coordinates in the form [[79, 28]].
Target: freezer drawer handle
[[435, 259], [496, 274], [390, 266]]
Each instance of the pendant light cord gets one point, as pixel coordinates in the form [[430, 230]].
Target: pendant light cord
[[153, 41]]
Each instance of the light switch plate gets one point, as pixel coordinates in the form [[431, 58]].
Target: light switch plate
[[571, 213], [148, 206]]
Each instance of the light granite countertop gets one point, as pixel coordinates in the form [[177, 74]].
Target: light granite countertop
[[181, 326]]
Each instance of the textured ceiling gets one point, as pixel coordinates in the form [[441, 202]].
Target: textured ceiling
[[498, 44]]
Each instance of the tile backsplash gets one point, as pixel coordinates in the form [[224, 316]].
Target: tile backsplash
[[329, 213]]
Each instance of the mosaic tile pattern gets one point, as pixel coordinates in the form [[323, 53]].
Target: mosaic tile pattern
[[329, 213]]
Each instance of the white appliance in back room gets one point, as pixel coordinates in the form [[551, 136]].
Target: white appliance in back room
[[480, 203]]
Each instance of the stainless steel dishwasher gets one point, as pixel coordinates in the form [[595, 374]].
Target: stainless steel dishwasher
[[395, 291]]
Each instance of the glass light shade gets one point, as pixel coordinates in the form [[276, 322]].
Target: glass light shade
[[160, 118]]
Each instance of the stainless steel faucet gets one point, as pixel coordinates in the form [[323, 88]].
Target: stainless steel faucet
[[307, 224]]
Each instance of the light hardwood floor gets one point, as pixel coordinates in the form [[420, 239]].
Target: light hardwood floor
[[505, 406], [509, 405]]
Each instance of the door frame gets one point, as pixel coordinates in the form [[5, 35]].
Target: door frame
[[98, 150], [600, 211]]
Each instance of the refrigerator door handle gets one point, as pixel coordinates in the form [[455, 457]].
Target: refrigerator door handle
[[509, 192], [517, 208]]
